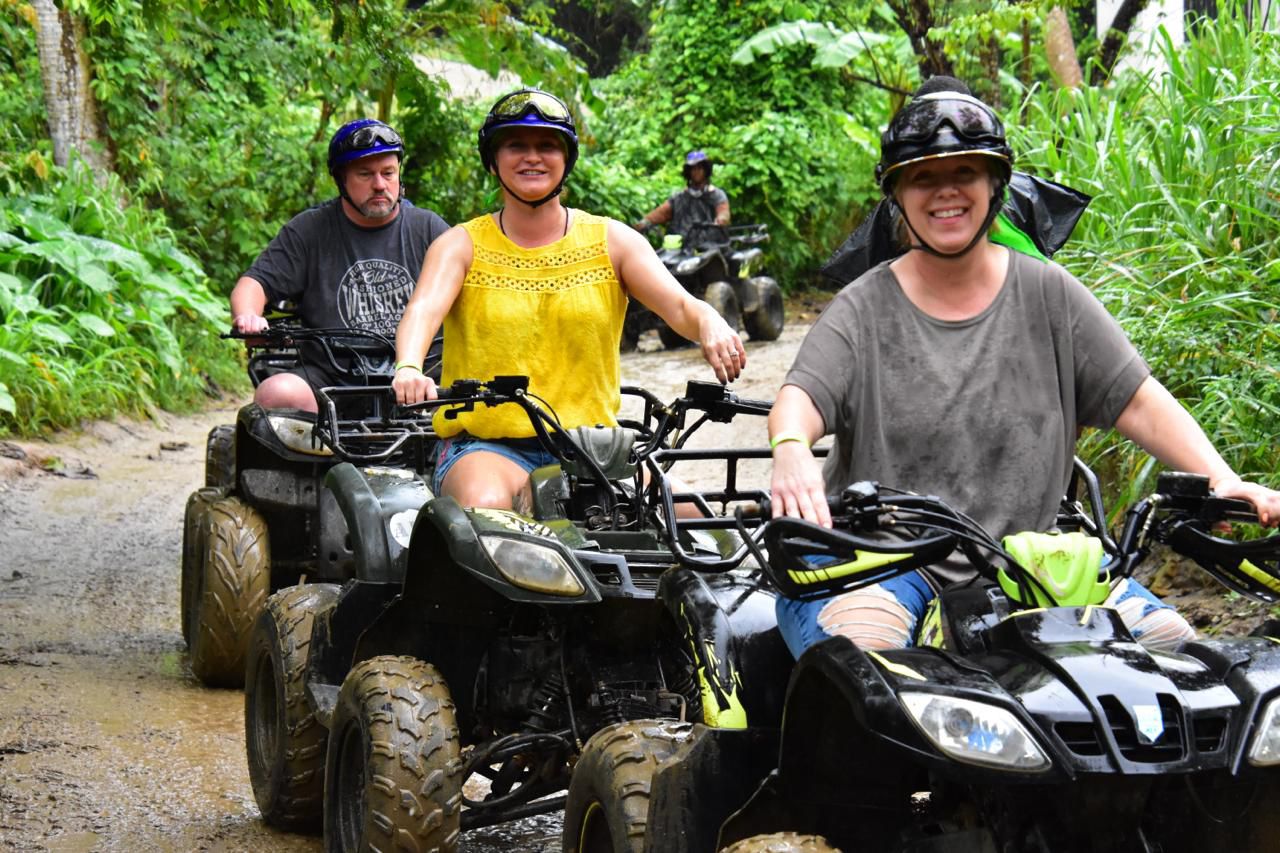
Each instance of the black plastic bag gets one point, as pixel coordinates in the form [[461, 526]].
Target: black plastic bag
[[1043, 210]]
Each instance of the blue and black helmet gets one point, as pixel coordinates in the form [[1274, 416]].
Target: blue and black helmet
[[364, 137], [696, 158], [529, 108]]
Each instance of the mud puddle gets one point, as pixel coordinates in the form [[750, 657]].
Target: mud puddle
[[107, 742]]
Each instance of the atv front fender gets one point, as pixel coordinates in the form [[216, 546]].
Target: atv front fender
[[730, 628], [380, 506]]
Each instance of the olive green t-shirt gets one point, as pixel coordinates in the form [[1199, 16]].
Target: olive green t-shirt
[[982, 412]]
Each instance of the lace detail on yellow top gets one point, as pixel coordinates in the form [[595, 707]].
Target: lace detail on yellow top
[[553, 313]]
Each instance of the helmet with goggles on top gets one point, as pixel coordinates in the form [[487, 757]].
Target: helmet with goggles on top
[[355, 140], [529, 108], [944, 119]]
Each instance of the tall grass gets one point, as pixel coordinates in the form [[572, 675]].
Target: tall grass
[[1182, 240], [103, 314]]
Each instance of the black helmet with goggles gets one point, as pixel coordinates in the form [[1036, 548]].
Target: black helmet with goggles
[[942, 124]]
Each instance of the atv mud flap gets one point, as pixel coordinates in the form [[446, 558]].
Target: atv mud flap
[[710, 778]]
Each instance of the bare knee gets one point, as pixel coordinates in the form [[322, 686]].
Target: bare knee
[[285, 391], [484, 479], [1158, 628], [872, 618]]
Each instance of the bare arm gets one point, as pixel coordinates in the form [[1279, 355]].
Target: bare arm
[[797, 486], [657, 216], [645, 278], [248, 302], [448, 259], [1157, 422], [722, 213]]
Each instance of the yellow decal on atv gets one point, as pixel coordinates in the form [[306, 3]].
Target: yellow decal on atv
[[1260, 576], [899, 669], [513, 521], [865, 561], [732, 715], [930, 633]]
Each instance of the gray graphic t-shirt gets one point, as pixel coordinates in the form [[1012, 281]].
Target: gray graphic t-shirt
[[342, 275]]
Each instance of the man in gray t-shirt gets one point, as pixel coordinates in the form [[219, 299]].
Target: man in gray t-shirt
[[700, 203], [351, 262]]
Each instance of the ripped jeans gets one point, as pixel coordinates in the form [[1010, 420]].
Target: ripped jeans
[[885, 616]]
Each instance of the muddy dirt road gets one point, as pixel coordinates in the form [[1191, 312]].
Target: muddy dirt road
[[107, 742]]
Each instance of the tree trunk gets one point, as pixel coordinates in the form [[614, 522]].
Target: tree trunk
[[916, 17], [1117, 35], [70, 105], [1061, 50]]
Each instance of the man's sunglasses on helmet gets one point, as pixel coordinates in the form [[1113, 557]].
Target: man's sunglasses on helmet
[[519, 104], [919, 121], [370, 136]]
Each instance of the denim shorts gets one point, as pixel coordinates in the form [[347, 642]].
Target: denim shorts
[[528, 453], [798, 620]]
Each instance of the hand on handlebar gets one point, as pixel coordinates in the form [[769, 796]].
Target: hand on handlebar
[[248, 324], [797, 487], [413, 386], [1265, 501]]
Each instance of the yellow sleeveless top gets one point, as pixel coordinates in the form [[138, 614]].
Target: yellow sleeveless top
[[553, 314]]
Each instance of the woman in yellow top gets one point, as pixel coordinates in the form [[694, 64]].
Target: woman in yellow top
[[536, 289]]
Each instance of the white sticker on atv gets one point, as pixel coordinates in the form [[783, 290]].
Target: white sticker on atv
[[401, 526], [1150, 723]]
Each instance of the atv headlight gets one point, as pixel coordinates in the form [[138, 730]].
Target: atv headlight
[[297, 435], [532, 567], [975, 732], [688, 265], [1265, 749]]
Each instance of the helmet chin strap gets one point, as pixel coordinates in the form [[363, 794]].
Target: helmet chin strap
[[993, 210]]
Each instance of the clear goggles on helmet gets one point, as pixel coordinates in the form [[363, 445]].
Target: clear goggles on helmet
[[370, 136], [519, 104], [919, 121]]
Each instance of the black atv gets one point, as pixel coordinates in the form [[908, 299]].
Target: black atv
[[724, 267], [262, 520], [1025, 719], [496, 644]]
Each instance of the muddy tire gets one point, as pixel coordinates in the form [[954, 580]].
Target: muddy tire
[[393, 776], [192, 552], [220, 457], [766, 321], [231, 584], [607, 810], [781, 842], [721, 296], [284, 742]]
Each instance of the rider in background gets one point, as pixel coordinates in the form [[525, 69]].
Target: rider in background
[[536, 289], [350, 262], [699, 203], [964, 369]]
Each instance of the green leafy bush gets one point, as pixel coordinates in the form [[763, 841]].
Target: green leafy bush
[[1182, 239], [103, 313]]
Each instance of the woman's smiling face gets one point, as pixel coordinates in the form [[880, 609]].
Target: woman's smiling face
[[530, 161], [946, 200]]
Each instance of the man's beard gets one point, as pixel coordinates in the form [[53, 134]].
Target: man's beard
[[373, 209]]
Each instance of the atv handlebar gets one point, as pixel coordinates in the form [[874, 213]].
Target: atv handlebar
[[877, 535]]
